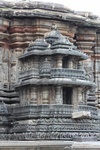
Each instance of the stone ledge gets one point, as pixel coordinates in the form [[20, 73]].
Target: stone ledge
[[60, 144], [86, 145], [22, 144]]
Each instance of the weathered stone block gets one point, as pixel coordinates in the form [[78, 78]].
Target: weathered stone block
[[81, 114]]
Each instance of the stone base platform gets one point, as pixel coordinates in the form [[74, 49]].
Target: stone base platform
[[48, 145]]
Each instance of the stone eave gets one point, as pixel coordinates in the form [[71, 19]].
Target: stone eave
[[46, 10], [78, 54], [56, 81], [71, 17]]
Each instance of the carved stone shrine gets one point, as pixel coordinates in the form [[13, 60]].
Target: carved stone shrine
[[49, 77]]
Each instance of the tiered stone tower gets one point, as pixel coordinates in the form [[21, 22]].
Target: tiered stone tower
[[47, 82], [53, 87]]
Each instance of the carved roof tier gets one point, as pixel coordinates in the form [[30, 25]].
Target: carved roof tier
[[63, 43], [56, 81], [59, 45], [53, 35], [38, 44], [48, 52]]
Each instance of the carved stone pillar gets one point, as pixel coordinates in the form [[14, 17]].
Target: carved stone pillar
[[27, 95], [59, 62], [45, 95], [75, 64], [70, 63], [33, 95], [74, 96], [58, 96], [80, 96]]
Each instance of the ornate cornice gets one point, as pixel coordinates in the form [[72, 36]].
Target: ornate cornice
[[33, 9]]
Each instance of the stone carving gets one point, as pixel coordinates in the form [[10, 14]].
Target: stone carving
[[45, 70], [89, 73], [5, 55], [4, 69], [13, 73], [52, 135], [34, 95]]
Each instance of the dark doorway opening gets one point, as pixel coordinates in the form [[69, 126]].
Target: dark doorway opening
[[67, 95], [65, 62]]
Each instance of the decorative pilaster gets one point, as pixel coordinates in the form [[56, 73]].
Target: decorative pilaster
[[33, 95], [80, 97], [58, 96], [45, 95], [45, 69], [74, 96]]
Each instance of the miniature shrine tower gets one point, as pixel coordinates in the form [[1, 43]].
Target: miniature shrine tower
[[49, 77], [53, 85]]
